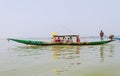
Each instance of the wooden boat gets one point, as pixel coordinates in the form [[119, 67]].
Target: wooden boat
[[60, 40], [32, 42]]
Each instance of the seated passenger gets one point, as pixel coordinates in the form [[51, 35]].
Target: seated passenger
[[111, 37], [58, 40], [78, 39], [69, 40], [53, 39], [63, 40]]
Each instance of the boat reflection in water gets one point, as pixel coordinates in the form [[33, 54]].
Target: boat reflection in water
[[67, 52], [106, 51], [65, 57]]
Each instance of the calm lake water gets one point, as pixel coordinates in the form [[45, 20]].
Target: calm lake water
[[97, 60]]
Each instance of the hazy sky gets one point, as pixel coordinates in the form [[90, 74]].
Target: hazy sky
[[39, 18]]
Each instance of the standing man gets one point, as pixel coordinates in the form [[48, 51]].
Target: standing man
[[101, 35]]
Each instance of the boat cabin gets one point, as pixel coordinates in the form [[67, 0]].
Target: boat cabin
[[65, 38]]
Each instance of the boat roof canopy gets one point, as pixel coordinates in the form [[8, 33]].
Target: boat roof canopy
[[66, 35]]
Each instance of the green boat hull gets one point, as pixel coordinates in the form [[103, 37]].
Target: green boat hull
[[32, 42]]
